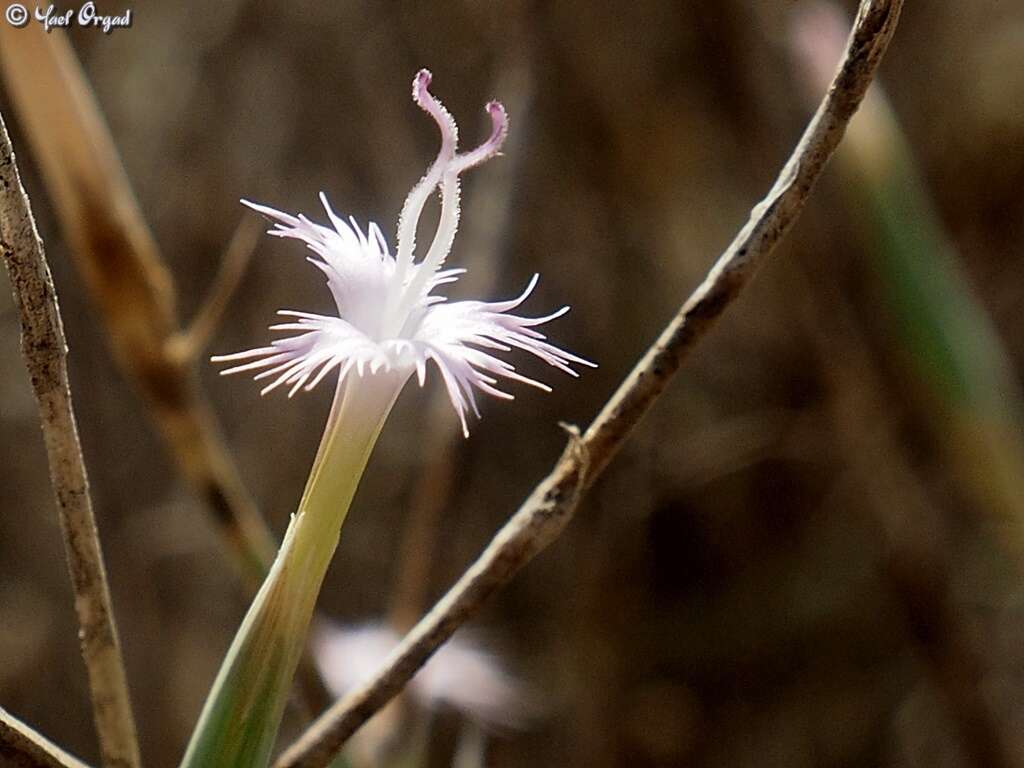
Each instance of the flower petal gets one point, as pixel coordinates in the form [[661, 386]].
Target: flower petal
[[303, 360]]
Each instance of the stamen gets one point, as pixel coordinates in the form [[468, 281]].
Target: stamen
[[449, 222], [491, 147], [441, 245], [444, 172], [417, 198]]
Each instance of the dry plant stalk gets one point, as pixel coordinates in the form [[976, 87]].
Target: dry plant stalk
[[120, 262], [127, 279], [22, 747], [548, 509], [45, 350]]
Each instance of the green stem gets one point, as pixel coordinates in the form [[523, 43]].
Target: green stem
[[243, 711]]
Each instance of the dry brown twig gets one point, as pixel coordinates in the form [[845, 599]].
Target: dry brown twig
[[190, 343], [22, 747], [548, 509], [126, 277], [44, 349]]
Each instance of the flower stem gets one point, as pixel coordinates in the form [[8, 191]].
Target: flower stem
[[243, 711]]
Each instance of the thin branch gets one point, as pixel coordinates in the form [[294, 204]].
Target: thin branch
[[769, 221], [23, 747], [190, 343], [44, 348], [545, 513]]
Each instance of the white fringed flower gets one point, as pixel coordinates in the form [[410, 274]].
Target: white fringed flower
[[389, 318], [390, 324]]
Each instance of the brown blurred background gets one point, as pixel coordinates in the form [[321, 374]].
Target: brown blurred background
[[807, 555]]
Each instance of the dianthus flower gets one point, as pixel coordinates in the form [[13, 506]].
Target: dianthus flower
[[390, 320], [390, 324]]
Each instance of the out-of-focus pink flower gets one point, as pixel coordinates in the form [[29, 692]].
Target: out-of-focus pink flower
[[460, 675]]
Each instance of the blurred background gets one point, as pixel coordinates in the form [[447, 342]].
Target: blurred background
[[808, 554]]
